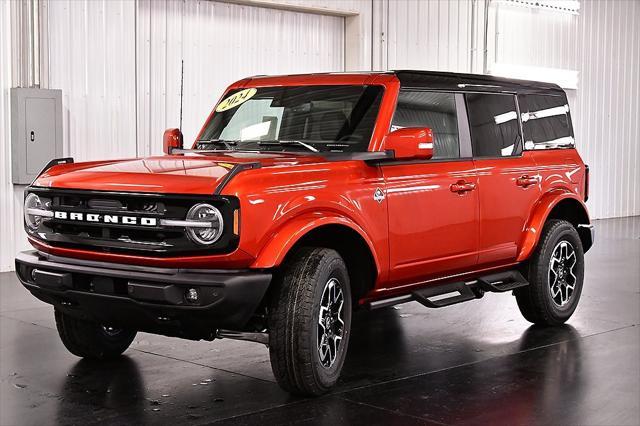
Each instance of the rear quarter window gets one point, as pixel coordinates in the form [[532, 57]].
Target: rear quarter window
[[494, 126], [546, 122]]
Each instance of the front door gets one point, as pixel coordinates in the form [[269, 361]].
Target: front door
[[432, 204]]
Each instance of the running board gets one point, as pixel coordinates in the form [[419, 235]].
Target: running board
[[438, 296], [503, 281], [444, 295]]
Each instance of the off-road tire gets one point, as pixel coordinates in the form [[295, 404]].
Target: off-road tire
[[535, 300], [293, 321], [91, 340]]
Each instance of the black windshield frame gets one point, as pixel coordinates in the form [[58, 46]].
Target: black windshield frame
[[322, 118]]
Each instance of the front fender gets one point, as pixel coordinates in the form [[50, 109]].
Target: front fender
[[539, 216], [274, 252]]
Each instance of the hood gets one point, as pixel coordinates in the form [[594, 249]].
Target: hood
[[170, 174]]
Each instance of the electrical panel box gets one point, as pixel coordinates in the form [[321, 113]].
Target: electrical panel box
[[36, 131]]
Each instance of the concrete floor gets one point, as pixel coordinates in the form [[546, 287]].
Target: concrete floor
[[474, 363]]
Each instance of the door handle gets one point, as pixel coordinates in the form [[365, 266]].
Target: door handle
[[461, 187], [526, 180]]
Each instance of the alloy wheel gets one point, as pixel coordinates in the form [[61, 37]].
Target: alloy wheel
[[330, 322], [562, 277]]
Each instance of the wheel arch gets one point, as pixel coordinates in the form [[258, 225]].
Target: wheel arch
[[556, 205], [335, 232]]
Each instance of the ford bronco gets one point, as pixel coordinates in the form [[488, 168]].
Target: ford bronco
[[305, 197]]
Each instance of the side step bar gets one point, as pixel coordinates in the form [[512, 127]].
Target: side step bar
[[444, 295], [504, 281], [438, 296]]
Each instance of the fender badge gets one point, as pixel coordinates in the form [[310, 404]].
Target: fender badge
[[378, 195]]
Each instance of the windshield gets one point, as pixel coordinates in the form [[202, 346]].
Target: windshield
[[294, 118]]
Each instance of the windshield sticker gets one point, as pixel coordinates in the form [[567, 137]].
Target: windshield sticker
[[236, 99]]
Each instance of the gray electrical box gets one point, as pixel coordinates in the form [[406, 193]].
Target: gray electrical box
[[36, 131]]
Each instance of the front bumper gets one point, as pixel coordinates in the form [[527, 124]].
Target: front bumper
[[145, 298]]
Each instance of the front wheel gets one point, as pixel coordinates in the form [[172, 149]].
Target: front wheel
[[556, 274], [91, 340], [310, 321]]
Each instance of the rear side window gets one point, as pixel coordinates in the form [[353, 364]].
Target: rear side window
[[434, 110], [546, 122], [494, 126]]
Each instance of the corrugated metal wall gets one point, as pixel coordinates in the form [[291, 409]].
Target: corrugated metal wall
[[92, 59], [118, 64], [220, 43], [430, 35], [7, 221]]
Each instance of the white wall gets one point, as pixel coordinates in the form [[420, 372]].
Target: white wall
[[431, 35], [7, 221], [220, 43], [92, 59]]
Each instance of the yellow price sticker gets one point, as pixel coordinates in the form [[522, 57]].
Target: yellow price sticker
[[236, 99]]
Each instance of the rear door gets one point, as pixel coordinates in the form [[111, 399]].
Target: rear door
[[509, 184], [432, 229]]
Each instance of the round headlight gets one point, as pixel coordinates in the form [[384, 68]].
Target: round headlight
[[34, 210], [212, 224]]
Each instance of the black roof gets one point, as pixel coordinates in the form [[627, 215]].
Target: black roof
[[473, 82]]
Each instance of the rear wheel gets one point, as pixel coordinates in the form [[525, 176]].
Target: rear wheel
[[91, 340], [309, 321], [556, 273]]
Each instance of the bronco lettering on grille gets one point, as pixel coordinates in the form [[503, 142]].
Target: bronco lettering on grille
[[105, 218]]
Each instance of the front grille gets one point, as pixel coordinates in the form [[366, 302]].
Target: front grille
[[133, 238], [101, 204]]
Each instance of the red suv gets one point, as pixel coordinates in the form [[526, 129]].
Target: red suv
[[307, 196]]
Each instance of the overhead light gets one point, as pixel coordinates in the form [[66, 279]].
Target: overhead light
[[507, 116], [567, 79], [255, 131], [562, 6], [544, 113]]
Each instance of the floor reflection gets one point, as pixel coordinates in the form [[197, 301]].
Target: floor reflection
[[556, 378], [531, 386], [105, 388]]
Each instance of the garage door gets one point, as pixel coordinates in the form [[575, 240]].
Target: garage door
[[220, 43]]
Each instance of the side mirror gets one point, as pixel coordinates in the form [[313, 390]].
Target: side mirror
[[171, 140], [410, 142]]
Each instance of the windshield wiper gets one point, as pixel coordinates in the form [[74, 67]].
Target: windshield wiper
[[218, 142], [289, 142]]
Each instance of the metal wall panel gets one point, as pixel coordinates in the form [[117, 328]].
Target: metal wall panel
[[92, 59], [7, 220], [431, 35], [220, 43], [603, 44]]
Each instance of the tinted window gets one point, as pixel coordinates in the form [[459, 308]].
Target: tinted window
[[434, 110], [493, 122], [294, 118], [546, 121]]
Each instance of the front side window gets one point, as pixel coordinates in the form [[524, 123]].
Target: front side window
[[546, 122], [434, 110], [494, 126], [295, 118]]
